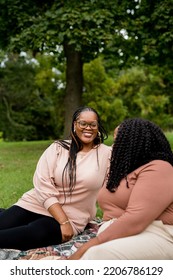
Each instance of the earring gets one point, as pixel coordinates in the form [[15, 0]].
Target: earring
[[99, 136], [74, 130]]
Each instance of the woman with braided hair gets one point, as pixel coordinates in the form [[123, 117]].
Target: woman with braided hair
[[66, 182], [137, 200]]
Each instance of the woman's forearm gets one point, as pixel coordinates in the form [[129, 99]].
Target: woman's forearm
[[60, 216], [58, 213]]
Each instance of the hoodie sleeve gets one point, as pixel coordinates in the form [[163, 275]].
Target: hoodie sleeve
[[43, 179]]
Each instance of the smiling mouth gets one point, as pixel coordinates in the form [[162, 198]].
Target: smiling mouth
[[88, 134]]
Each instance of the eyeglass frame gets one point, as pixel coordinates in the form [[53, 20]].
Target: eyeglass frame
[[88, 124]]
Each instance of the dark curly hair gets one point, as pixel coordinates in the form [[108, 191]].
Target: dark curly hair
[[138, 141], [75, 145]]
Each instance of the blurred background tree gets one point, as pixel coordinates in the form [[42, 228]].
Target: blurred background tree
[[113, 55]]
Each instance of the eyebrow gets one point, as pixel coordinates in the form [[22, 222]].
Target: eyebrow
[[86, 121]]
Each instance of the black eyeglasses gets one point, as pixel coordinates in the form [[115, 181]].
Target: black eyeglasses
[[83, 124]]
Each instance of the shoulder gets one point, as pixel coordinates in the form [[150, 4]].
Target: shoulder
[[159, 166], [104, 147], [54, 147], [104, 151]]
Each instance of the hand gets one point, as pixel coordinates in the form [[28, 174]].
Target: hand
[[67, 232], [79, 253], [59, 215], [76, 256]]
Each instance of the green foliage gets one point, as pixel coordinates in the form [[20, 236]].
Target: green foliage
[[74, 30], [100, 94], [31, 97], [169, 135], [145, 35], [27, 102], [87, 25], [136, 92], [1, 136], [152, 24], [142, 93], [146, 40], [50, 79], [128, 34]]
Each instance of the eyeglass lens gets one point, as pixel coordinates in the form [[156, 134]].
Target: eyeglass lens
[[84, 124]]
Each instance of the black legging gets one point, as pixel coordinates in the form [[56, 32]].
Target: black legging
[[23, 230]]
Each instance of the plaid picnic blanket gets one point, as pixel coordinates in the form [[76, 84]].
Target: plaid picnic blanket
[[61, 251]]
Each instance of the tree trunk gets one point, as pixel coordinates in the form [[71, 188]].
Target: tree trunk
[[74, 85]]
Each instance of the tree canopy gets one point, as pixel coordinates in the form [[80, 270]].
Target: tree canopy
[[125, 33], [81, 28]]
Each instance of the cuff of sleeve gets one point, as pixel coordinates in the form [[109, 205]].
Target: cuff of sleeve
[[50, 201]]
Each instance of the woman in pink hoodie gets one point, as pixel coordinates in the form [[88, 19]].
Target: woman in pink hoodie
[[66, 182]]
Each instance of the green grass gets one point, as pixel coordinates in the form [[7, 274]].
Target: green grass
[[17, 164]]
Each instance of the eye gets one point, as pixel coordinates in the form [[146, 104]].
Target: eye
[[93, 125], [83, 123]]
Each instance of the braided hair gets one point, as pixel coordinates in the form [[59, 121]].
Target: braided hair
[[138, 142], [75, 145]]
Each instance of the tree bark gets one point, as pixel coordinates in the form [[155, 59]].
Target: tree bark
[[74, 84]]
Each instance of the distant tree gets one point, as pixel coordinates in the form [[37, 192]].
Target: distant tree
[[79, 29], [146, 36], [141, 90], [126, 32], [27, 110], [100, 93], [135, 92], [151, 27]]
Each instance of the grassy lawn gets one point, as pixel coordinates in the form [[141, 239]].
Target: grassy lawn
[[17, 165]]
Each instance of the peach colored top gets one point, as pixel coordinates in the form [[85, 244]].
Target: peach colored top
[[80, 207], [148, 198]]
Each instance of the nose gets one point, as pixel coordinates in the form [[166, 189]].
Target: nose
[[88, 126]]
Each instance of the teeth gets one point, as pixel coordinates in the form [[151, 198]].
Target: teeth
[[87, 134]]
